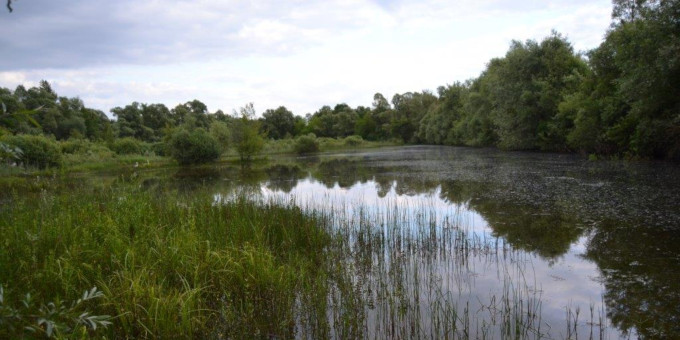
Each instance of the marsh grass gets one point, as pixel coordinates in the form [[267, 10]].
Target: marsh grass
[[176, 264], [168, 265]]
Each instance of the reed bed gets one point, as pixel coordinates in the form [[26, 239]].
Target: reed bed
[[168, 264]]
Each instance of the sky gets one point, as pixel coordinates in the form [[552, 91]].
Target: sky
[[295, 53]]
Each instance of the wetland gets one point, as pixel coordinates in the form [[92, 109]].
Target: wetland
[[399, 242]]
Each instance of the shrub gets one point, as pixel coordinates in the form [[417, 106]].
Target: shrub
[[160, 149], [127, 146], [353, 140], [78, 151], [306, 144], [195, 147], [38, 151], [84, 147]]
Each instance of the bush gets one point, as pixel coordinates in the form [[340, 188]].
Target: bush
[[84, 147], [353, 140], [78, 151], [75, 146], [127, 146], [306, 144], [195, 147], [160, 149], [38, 151]]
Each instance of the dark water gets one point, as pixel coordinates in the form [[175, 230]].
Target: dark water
[[570, 247]]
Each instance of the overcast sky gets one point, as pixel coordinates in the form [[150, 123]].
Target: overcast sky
[[300, 54]]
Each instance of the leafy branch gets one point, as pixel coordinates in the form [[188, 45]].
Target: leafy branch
[[54, 319]]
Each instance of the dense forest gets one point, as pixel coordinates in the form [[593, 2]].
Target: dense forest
[[621, 99]]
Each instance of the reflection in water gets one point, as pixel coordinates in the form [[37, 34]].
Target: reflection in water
[[639, 271], [472, 240], [558, 209], [451, 257]]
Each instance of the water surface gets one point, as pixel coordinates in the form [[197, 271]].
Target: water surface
[[443, 241]]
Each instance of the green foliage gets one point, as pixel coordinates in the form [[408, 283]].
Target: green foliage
[[306, 144], [526, 87], [160, 149], [441, 124], [409, 110], [195, 147], [76, 146], [246, 135], [9, 153], [353, 140], [278, 123], [36, 151], [56, 319], [128, 146], [79, 151], [221, 133]]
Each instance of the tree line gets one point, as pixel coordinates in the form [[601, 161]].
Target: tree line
[[621, 99]]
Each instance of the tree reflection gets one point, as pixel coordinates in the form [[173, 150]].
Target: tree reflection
[[532, 228], [539, 229], [638, 267], [284, 177]]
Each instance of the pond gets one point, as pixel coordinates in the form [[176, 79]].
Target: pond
[[459, 242]]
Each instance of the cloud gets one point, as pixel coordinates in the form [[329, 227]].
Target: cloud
[[301, 54], [97, 32]]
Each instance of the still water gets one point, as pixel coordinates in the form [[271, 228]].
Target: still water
[[577, 247], [459, 242]]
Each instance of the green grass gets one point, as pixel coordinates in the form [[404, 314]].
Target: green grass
[[169, 266], [287, 146]]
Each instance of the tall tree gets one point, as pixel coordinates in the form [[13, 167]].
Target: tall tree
[[278, 123]]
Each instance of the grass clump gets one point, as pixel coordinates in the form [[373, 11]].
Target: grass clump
[[168, 266]]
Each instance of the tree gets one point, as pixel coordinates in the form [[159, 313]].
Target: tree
[[155, 117], [246, 135], [131, 123], [628, 105], [525, 89], [193, 113], [438, 124], [628, 10], [409, 109], [278, 123], [380, 104]]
